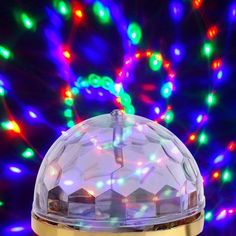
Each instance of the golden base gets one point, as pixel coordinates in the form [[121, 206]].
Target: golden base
[[43, 228]]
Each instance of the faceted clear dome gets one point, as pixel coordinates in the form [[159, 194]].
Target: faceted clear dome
[[118, 171]]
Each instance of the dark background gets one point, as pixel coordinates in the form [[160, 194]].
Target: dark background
[[34, 78]]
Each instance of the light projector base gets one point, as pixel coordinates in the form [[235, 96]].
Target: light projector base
[[43, 228]]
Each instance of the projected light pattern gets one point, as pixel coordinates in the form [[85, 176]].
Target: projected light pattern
[[90, 63]]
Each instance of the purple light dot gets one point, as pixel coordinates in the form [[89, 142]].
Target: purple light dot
[[15, 169]]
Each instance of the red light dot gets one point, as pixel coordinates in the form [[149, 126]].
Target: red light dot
[[67, 54], [216, 64], [232, 146], [137, 55], [197, 4], [192, 137], [79, 13], [212, 32], [216, 175]]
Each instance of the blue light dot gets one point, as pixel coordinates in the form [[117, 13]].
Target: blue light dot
[[17, 229], [220, 75], [15, 169]]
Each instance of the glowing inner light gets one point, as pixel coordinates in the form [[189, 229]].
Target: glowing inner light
[[11, 125], [68, 182]]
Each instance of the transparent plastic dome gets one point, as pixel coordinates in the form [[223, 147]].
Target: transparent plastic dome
[[118, 171]]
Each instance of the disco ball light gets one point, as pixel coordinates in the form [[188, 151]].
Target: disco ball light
[[118, 174]]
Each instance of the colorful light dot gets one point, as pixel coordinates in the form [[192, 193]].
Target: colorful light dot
[[219, 159], [17, 229], [1, 203], [11, 125], [208, 49], [134, 33], [27, 21], [101, 12], [28, 153], [166, 89], [212, 32], [67, 54], [33, 114], [211, 99], [176, 10], [208, 216], [63, 8], [2, 91], [192, 137], [216, 175], [169, 116], [197, 4], [203, 138], [15, 170], [155, 61], [5, 53], [227, 176], [219, 74]]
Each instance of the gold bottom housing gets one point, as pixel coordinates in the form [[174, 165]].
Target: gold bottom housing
[[43, 228]]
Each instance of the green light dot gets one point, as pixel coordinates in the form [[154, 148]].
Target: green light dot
[[101, 12], [208, 216], [7, 125], [107, 83], [169, 117], [99, 184], [130, 110], [208, 49], [166, 90], [203, 138], [227, 176], [27, 21], [211, 99], [155, 61], [69, 101], [1, 203], [5, 53], [70, 123], [134, 33], [125, 99], [75, 91], [2, 91], [94, 80], [62, 7], [68, 113], [28, 153]]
